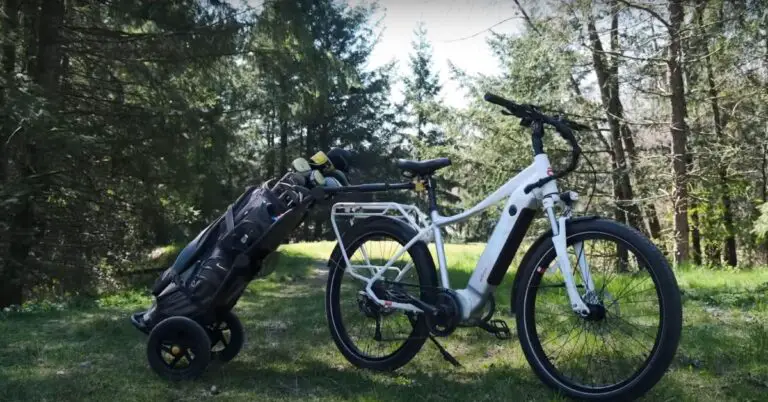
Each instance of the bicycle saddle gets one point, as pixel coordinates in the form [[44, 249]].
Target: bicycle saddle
[[423, 168]]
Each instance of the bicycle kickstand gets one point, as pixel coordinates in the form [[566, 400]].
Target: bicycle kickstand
[[447, 356]]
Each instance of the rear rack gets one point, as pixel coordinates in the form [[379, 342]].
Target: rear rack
[[408, 214]]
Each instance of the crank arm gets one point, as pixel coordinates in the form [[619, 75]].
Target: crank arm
[[426, 307], [411, 303]]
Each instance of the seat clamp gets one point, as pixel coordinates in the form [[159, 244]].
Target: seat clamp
[[419, 186]]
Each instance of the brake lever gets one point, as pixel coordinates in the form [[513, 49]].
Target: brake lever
[[574, 125], [578, 126]]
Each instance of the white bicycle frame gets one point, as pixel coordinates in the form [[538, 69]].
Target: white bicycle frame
[[474, 296]]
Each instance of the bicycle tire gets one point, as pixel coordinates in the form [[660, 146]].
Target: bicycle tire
[[667, 337], [427, 276]]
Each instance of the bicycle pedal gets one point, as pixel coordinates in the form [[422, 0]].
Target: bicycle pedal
[[498, 328]]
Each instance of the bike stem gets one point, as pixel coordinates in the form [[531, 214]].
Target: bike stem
[[559, 241]]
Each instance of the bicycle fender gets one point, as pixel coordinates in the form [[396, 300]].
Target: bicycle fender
[[529, 253]]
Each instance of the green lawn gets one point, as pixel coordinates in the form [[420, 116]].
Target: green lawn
[[93, 353]]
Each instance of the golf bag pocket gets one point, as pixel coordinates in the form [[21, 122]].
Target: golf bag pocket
[[249, 221]]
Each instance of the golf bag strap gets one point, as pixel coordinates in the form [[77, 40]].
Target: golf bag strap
[[229, 217]]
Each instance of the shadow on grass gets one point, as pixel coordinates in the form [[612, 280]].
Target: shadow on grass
[[95, 354]]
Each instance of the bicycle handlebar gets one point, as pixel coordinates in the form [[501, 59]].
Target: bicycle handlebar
[[531, 116]]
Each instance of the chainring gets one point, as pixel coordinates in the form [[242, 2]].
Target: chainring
[[448, 315]]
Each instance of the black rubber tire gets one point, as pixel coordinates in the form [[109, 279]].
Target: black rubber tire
[[426, 272], [668, 335], [236, 340], [187, 332]]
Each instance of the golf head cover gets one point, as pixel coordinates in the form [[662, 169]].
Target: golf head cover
[[300, 165], [339, 176], [331, 182], [320, 161], [340, 158]]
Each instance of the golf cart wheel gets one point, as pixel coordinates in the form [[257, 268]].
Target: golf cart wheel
[[178, 349], [227, 337]]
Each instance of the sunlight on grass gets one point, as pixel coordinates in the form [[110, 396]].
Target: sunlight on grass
[[92, 352]]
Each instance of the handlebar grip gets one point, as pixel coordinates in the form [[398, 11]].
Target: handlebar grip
[[498, 100], [563, 126]]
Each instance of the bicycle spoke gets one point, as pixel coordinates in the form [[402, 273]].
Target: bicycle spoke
[[607, 349], [382, 334]]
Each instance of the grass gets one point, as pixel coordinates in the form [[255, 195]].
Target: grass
[[91, 352]]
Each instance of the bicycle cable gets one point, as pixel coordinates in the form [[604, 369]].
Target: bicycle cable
[[594, 183]]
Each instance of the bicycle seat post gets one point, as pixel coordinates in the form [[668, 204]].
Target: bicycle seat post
[[431, 193]]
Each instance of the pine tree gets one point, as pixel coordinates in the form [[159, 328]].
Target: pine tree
[[422, 87]]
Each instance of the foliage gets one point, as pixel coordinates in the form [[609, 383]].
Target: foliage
[[422, 88], [128, 126], [761, 224]]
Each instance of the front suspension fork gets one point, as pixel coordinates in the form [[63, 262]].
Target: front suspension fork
[[559, 241]]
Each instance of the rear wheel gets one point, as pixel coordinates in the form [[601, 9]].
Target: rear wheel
[[628, 341], [227, 337], [367, 334]]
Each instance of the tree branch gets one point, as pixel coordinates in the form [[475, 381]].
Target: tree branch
[[527, 18], [571, 79], [483, 31], [647, 10]]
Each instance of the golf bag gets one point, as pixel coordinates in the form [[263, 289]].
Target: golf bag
[[212, 271]]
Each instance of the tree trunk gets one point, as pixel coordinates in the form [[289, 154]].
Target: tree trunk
[[679, 133], [608, 81], [11, 283], [695, 221], [31, 13], [654, 226], [11, 11], [308, 143], [283, 167], [725, 197], [11, 269], [270, 156], [27, 224], [618, 211], [48, 51], [283, 117], [713, 253], [730, 239], [695, 236], [10, 32], [764, 191]]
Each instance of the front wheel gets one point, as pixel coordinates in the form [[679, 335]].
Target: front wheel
[[627, 342], [178, 349]]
